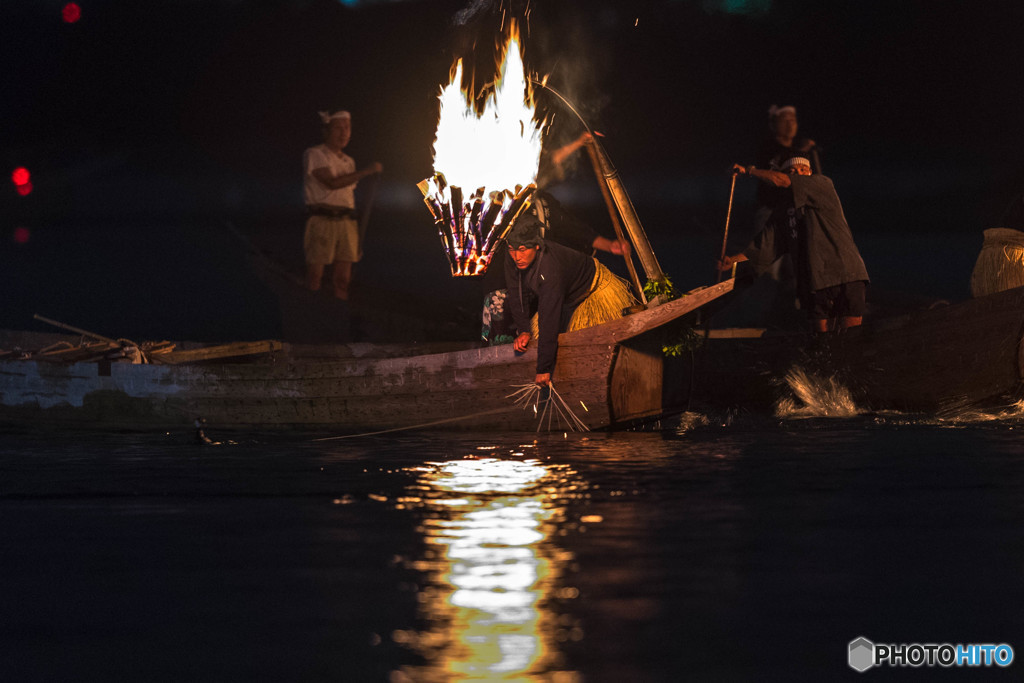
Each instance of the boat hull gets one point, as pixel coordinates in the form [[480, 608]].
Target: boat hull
[[608, 375], [937, 361], [281, 393]]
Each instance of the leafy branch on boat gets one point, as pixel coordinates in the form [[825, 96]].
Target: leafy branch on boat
[[662, 287], [684, 340]]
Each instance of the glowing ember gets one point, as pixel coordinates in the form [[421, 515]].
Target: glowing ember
[[496, 152]]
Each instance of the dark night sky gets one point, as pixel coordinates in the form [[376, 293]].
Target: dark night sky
[[141, 112]]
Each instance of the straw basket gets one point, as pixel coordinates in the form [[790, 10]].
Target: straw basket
[[1000, 264]]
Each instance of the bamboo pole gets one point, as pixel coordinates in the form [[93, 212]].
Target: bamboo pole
[[616, 222], [636, 232]]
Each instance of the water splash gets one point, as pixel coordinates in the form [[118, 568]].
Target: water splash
[[1011, 413], [690, 421], [815, 396]]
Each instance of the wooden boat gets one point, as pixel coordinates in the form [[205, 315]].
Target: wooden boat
[[938, 361], [612, 374], [609, 375]]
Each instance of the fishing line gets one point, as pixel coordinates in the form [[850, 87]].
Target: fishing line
[[425, 424], [566, 102]]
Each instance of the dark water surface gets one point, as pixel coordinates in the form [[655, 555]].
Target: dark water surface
[[724, 552]]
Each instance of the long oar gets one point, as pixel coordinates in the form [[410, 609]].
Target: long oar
[[725, 235]]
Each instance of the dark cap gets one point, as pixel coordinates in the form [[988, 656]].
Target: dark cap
[[525, 232]]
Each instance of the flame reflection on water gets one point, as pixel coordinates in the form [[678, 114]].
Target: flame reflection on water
[[491, 570]]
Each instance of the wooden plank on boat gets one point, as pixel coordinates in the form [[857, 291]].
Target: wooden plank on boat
[[87, 351], [737, 333], [634, 325], [235, 350]]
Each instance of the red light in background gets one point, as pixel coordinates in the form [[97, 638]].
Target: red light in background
[[21, 235], [71, 13], [22, 180]]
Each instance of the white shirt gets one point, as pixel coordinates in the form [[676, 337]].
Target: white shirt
[[316, 192]]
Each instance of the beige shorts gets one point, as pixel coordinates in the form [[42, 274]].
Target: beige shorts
[[328, 240]]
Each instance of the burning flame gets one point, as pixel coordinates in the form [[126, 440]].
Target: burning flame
[[496, 151]]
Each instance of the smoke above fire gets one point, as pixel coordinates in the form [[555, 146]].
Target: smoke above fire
[[472, 10]]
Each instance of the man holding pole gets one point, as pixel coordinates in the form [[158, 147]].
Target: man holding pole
[[808, 224], [329, 182]]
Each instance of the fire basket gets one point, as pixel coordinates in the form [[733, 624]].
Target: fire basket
[[490, 141], [471, 227]]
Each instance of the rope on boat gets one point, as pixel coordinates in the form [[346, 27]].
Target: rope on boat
[[419, 426]]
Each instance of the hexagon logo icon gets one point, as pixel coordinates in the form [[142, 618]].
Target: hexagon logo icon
[[861, 654]]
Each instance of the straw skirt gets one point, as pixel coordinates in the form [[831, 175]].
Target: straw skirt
[[1000, 264], [609, 295]]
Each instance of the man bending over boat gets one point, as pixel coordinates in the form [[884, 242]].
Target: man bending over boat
[[558, 225], [573, 291], [808, 224]]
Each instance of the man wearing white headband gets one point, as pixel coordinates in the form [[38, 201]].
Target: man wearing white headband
[[809, 225], [780, 145], [803, 165], [784, 141], [329, 183]]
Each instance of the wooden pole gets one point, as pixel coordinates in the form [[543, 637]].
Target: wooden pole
[[718, 273], [616, 223], [725, 235], [76, 330]]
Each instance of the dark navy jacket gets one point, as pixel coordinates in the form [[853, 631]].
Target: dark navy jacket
[[560, 278]]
